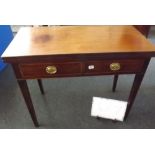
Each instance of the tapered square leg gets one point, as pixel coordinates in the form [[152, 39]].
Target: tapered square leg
[[41, 86], [115, 83], [26, 94], [135, 87]]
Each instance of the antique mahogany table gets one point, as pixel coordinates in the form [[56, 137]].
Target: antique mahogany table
[[70, 51]]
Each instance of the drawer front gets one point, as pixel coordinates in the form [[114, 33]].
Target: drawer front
[[114, 66], [40, 70]]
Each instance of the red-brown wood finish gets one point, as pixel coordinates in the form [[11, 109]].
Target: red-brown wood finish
[[41, 86], [102, 67], [144, 29], [135, 87], [115, 83], [38, 70], [118, 45], [26, 94]]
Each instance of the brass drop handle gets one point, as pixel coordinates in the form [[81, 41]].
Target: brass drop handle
[[115, 66], [51, 69]]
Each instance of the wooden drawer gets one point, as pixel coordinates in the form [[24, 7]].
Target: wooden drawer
[[40, 70], [114, 66], [47, 70]]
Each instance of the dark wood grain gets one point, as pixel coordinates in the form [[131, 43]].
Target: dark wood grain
[[26, 94], [115, 83], [38, 70], [64, 69], [135, 87], [144, 29], [40, 86], [103, 67]]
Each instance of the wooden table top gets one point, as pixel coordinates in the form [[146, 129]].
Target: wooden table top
[[57, 40]]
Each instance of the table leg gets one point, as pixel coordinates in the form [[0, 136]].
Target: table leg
[[26, 94], [115, 83], [135, 87], [41, 86]]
